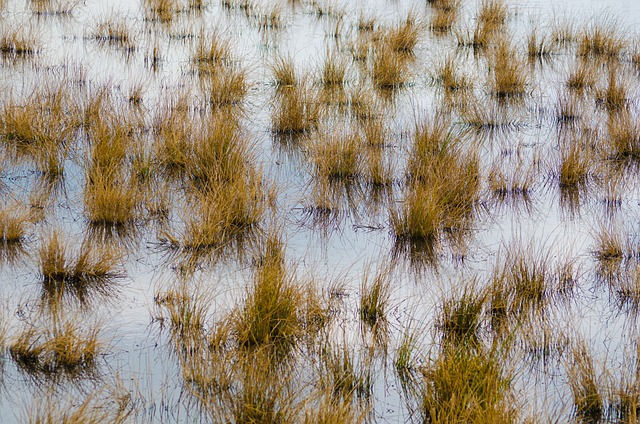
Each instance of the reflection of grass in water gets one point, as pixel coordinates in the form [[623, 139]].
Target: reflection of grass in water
[[584, 383]]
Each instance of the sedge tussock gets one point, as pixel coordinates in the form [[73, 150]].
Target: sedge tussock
[[80, 274], [493, 12], [518, 184], [210, 53], [365, 107], [563, 32], [609, 249], [509, 77], [335, 157], [626, 289], [443, 19], [379, 172], [284, 71], [334, 70], [66, 348], [582, 76], [389, 70], [343, 374], [59, 8], [460, 319], [225, 86], [404, 37], [271, 315], [115, 409], [162, 11], [18, 43], [584, 383], [451, 78], [521, 286], [329, 410], [539, 46], [575, 168], [467, 385], [601, 40], [615, 96], [375, 296], [110, 200], [297, 111], [113, 31], [624, 138], [14, 221], [184, 311]]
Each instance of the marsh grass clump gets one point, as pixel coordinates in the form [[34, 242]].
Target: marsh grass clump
[[162, 11], [80, 274], [211, 53], [343, 374], [521, 287], [334, 70], [18, 43], [539, 47], [624, 138], [110, 200], [13, 225], [582, 76], [270, 315], [575, 168], [66, 348], [91, 410], [57, 8], [509, 77], [184, 311], [297, 111], [493, 13], [114, 31], [609, 248], [404, 37], [336, 156], [451, 78], [284, 72], [374, 300], [444, 17], [587, 394], [615, 96], [225, 86], [601, 40], [460, 318], [467, 385], [389, 70], [510, 187]]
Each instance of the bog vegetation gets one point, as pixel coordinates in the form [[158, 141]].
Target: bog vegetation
[[315, 211]]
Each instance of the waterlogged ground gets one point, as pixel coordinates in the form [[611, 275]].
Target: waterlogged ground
[[434, 218]]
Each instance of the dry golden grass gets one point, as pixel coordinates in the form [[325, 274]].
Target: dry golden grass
[[14, 221], [493, 12], [66, 348], [210, 53], [80, 274], [114, 410], [624, 137], [575, 169], [615, 96], [379, 171], [297, 111], [225, 86], [404, 37], [516, 184], [162, 11], [18, 43], [443, 19], [582, 76], [375, 297], [601, 40], [335, 155], [389, 70], [114, 31], [334, 70], [451, 78], [461, 318], [539, 46], [587, 396], [110, 199], [284, 71], [509, 76], [57, 8], [464, 385]]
